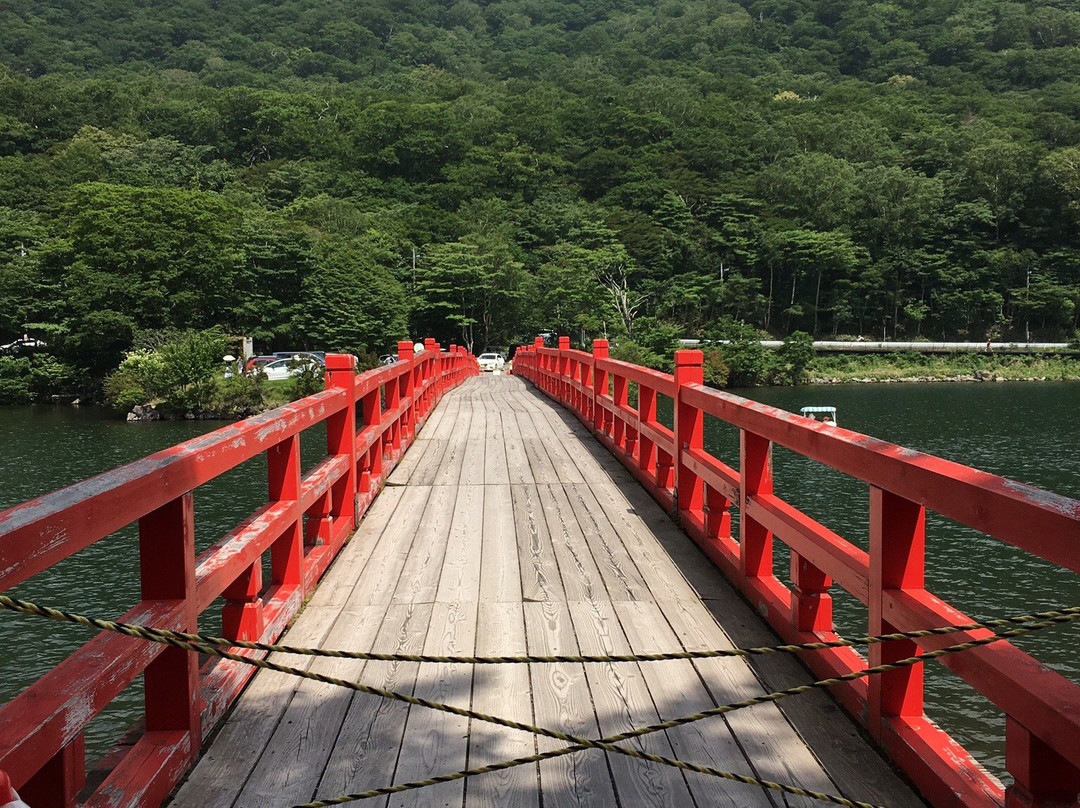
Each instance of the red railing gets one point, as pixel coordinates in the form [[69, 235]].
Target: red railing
[[303, 524], [1041, 707]]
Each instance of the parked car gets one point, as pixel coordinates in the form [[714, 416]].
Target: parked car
[[284, 368], [22, 344], [318, 356], [258, 361], [491, 361]]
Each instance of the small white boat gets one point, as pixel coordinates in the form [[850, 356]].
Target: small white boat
[[827, 414]]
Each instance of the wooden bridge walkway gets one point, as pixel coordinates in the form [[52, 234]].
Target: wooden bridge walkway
[[506, 529]]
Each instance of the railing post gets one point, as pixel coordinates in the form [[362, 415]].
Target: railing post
[[287, 551], [167, 572], [432, 377], [563, 369], [397, 391], [689, 433], [371, 464], [341, 437], [897, 561], [541, 379], [620, 397], [599, 384], [60, 780], [1042, 778], [755, 540]]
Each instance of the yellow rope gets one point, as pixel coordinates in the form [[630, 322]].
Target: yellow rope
[[578, 743], [157, 635]]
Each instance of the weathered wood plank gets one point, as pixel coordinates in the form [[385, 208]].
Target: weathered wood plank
[[366, 753], [380, 575], [500, 579], [505, 691], [540, 576], [773, 746], [549, 439], [518, 468], [616, 565], [472, 463], [496, 470], [677, 691], [449, 470], [224, 768], [622, 703], [460, 576], [437, 742], [581, 576], [345, 572], [542, 469], [291, 765], [561, 700], [418, 580]]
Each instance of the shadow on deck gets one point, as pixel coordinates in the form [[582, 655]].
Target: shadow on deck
[[506, 529]]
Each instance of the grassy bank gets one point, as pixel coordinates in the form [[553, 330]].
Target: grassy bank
[[895, 367]]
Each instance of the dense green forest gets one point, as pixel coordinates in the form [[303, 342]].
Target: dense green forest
[[339, 175]]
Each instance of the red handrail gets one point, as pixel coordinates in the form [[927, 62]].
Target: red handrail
[[1042, 708], [303, 524]]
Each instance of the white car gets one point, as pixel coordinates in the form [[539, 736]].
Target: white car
[[284, 368], [491, 361]]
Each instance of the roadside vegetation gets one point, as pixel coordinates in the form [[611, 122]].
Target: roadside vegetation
[[827, 368]]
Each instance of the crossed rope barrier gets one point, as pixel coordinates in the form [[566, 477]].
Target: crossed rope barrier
[[212, 646]]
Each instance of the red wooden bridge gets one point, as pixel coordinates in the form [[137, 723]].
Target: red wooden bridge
[[507, 529]]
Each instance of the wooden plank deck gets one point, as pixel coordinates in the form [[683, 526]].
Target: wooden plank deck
[[506, 529]]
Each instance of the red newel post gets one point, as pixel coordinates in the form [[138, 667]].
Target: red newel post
[[600, 384], [341, 437], [396, 392], [287, 552], [563, 369], [167, 572], [897, 561], [689, 433], [541, 379], [1042, 778], [756, 557], [431, 378]]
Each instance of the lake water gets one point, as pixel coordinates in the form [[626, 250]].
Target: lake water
[[1027, 431]]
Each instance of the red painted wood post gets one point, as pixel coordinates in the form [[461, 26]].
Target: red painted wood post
[[167, 572], [620, 397], [1042, 778], [755, 540], [538, 364], [371, 464], [689, 434], [599, 385], [897, 561], [433, 371], [811, 603], [395, 393], [341, 437], [717, 515], [287, 551], [646, 447], [59, 781], [588, 411], [242, 615], [563, 370]]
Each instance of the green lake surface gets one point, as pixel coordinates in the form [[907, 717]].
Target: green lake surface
[[1026, 431]]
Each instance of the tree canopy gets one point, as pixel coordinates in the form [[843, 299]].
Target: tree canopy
[[340, 175]]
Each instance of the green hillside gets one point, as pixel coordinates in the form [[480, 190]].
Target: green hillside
[[340, 175]]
